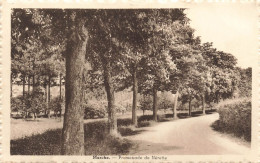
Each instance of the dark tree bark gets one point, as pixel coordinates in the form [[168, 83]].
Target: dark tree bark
[[135, 91], [60, 97], [47, 98], [203, 103], [33, 86], [60, 86], [34, 116], [217, 97], [112, 121], [73, 126], [29, 84], [23, 86], [155, 103], [189, 105], [49, 88], [175, 105]]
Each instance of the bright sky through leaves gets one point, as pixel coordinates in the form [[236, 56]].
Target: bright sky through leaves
[[232, 27]]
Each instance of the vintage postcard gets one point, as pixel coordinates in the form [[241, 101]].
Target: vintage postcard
[[129, 81]]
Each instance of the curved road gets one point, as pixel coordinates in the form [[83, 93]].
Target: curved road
[[187, 136]]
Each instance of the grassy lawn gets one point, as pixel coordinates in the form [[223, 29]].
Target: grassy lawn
[[97, 141]]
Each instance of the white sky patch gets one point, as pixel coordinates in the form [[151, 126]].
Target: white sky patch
[[232, 27]]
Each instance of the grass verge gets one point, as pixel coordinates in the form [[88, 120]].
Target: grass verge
[[97, 142]]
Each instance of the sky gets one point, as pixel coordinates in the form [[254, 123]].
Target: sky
[[231, 27]]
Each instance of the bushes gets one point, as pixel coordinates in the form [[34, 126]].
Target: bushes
[[35, 103], [165, 101], [94, 109], [146, 102], [235, 117], [56, 104], [98, 109], [29, 103], [17, 106]]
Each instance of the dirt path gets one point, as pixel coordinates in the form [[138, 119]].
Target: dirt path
[[187, 136]]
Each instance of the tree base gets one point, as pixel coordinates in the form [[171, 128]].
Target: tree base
[[115, 134], [175, 118]]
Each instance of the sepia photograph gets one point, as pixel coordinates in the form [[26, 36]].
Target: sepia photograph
[[131, 83]]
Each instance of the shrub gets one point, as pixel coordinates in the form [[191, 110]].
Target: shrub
[[17, 106], [146, 102], [56, 104], [126, 105], [166, 100], [235, 117], [94, 109], [35, 102], [98, 109], [16, 103], [29, 103]]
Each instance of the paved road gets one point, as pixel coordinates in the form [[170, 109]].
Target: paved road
[[187, 136]]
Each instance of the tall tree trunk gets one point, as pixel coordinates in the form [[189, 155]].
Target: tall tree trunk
[[175, 105], [112, 121], [155, 103], [203, 103], [217, 97], [23, 86], [23, 101], [29, 83], [135, 91], [73, 126], [49, 87], [60, 86], [47, 99], [33, 89], [49, 96], [189, 105], [34, 116], [60, 97]]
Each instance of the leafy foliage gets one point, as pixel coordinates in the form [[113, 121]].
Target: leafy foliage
[[56, 104], [235, 117], [146, 102]]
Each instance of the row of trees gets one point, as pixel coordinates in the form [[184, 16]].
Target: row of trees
[[148, 50]]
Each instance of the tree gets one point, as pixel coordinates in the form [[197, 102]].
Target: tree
[[49, 27], [244, 82], [73, 126]]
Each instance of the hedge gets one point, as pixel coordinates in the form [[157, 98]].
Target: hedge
[[235, 117]]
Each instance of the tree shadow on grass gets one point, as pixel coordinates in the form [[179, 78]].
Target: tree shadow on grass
[[97, 141], [47, 143]]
